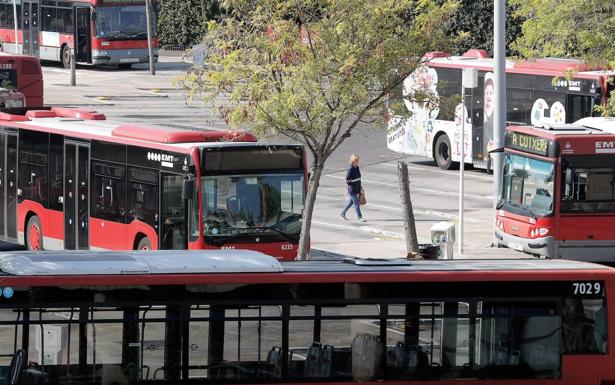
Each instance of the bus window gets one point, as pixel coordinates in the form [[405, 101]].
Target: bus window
[[172, 217], [143, 196], [584, 327], [109, 188], [518, 339], [591, 188]]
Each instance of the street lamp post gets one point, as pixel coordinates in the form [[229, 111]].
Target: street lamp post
[[469, 79], [16, 29], [499, 119]]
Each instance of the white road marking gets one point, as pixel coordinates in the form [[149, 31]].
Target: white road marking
[[468, 174], [423, 189], [367, 229], [433, 213]]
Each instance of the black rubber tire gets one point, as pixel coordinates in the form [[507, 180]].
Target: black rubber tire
[[144, 244], [442, 153], [33, 221], [65, 56]]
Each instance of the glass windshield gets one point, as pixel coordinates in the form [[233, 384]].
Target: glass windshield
[[528, 184], [121, 22], [253, 204]]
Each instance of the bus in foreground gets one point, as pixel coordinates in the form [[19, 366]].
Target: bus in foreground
[[544, 91], [21, 74], [233, 317], [71, 179], [558, 190], [100, 31]]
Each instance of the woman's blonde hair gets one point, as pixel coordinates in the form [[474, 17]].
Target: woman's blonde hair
[[354, 158]]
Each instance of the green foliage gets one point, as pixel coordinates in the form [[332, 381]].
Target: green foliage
[[315, 86], [569, 28], [314, 70], [475, 18], [183, 22]]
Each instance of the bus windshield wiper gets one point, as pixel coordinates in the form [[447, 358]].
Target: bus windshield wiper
[[289, 237]]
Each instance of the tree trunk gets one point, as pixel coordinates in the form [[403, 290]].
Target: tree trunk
[[303, 253], [412, 244]]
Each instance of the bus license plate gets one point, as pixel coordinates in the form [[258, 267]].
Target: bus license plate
[[515, 246], [129, 60]]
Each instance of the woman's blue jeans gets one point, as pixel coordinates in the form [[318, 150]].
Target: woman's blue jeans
[[353, 199]]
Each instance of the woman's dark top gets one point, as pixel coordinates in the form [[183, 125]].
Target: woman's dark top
[[353, 180]]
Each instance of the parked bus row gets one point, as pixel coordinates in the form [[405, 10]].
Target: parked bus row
[[100, 31], [242, 317], [544, 91], [70, 179]]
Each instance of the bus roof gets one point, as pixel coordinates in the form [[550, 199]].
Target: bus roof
[[178, 267], [90, 124], [545, 66]]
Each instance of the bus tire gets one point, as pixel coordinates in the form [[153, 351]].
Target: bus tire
[[34, 234], [144, 244], [442, 153], [65, 56]]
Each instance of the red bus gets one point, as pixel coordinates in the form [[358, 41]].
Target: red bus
[[203, 317], [558, 190], [73, 180], [23, 74], [100, 31], [544, 91]]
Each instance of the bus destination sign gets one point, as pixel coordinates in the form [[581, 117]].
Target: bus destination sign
[[528, 143]]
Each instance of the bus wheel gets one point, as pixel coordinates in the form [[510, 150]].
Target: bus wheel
[[34, 235], [144, 244], [65, 56], [442, 153]]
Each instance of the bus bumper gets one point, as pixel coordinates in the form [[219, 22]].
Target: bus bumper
[[541, 246], [122, 56]]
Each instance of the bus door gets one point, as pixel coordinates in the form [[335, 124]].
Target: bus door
[[172, 213], [30, 28], [76, 196], [9, 192], [82, 34], [578, 106]]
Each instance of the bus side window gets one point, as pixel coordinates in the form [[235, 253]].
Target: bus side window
[[109, 189], [584, 326]]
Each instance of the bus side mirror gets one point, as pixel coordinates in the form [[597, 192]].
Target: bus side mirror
[[188, 189], [569, 176]]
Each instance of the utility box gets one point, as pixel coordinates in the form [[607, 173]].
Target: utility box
[[443, 235], [51, 344]]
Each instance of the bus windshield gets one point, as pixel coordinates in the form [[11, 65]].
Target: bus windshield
[[528, 185], [236, 205], [121, 22]]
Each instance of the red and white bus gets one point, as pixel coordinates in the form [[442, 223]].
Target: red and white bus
[[100, 31], [72, 180], [544, 91], [22, 74], [558, 190], [242, 317]]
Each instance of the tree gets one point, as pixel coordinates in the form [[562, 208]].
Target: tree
[[475, 17], [569, 28], [183, 22], [315, 70]]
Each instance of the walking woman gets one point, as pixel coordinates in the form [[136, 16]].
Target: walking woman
[[353, 188]]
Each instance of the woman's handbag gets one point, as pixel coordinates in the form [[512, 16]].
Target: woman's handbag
[[362, 200]]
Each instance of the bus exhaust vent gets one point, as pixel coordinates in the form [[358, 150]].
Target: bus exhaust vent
[[377, 262]]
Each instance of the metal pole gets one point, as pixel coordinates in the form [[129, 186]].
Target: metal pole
[[16, 28], [150, 43], [73, 65], [499, 119], [462, 166]]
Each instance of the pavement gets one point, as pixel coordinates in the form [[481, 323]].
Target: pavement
[[135, 96]]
